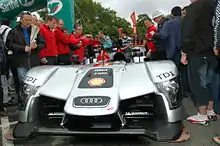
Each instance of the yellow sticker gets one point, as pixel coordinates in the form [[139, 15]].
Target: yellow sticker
[[96, 82]]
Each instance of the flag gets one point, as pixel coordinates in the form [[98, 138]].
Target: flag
[[134, 29], [134, 21], [120, 31], [133, 18]]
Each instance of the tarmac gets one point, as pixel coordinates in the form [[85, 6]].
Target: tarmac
[[200, 135]]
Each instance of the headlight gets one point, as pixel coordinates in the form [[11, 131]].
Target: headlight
[[25, 93], [171, 91]]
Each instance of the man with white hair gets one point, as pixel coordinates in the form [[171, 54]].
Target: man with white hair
[[159, 18], [198, 54]]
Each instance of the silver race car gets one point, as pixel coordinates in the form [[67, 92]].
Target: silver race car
[[103, 98]]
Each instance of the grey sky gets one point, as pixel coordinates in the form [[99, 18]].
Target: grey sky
[[125, 7]]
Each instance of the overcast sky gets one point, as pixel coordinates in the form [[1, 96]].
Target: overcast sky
[[125, 7]]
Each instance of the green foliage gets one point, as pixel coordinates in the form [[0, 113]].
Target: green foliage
[[141, 29], [43, 13], [95, 18]]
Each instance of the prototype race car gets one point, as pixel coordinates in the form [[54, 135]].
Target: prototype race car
[[102, 99]]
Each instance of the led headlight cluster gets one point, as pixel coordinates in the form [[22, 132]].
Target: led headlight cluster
[[26, 92], [171, 91]]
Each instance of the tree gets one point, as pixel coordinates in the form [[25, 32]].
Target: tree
[[141, 29], [43, 13], [95, 18]]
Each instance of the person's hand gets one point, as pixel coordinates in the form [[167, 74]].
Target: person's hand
[[33, 46], [85, 36], [184, 60], [27, 49], [216, 51], [44, 60], [148, 53], [79, 44]]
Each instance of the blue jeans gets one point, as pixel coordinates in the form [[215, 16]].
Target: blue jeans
[[200, 75], [22, 73], [216, 92]]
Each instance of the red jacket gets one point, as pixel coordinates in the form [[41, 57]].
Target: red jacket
[[150, 44], [62, 41], [96, 43], [104, 56], [75, 39], [51, 46]]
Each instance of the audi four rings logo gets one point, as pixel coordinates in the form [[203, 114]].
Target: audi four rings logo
[[91, 100]]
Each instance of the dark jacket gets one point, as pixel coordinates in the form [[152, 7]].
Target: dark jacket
[[198, 34], [160, 43], [171, 34], [2, 57], [16, 42]]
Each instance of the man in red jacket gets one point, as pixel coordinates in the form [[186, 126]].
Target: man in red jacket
[[151, 30], [49, 54], [84, 41], [63, 42]]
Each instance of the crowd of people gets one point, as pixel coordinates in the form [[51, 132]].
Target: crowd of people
[[190, 38]]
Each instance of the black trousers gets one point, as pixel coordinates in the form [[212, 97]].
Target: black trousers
[[51, 60], [200, 74], [1, 96], [184, 77], [64, 59], [158, 55], [10, 66]]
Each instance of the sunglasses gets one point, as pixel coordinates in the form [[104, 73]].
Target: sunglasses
[[26, 13]]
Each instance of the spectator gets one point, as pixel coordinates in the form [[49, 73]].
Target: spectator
[[151, 30], [35, 20], [183, 68], [62, 41], [65, 31], [96, 42], [40, 22], [139, 42], [49, 55], [159, 18], [184, 12], [199, 56], [80, 42], [3, 112], [4, 30], [170, 34], [127, 44], [216, 78], [106, 41], [24, 45], [96, 45]]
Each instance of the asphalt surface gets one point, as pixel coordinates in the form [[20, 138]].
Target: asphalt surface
[[200, 136]]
